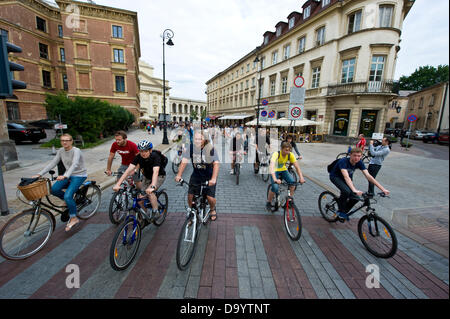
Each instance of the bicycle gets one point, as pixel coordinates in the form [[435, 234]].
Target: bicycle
[[120, 200], [177, 160], [365, 156], [264, 161], [237, 166], [384, 243], [291, 170], [30, 230], [292, 219], [127, 239], [196, 216]]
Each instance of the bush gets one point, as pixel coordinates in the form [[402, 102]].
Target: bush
[[391, 138], [404, 144], [88, 117]]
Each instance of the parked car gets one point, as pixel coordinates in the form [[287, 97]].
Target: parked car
[[46, 123], [25, 132], [443, 138], [430, 137], [417, 135]]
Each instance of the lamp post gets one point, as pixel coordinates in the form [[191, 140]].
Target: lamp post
[[256, 60], [167, 34]]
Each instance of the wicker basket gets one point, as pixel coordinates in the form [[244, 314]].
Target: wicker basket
[[35, 190]]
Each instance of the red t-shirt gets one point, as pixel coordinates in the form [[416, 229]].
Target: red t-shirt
[[361, 144], [128, 152]]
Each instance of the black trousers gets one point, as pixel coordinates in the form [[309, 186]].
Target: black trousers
[[373, 170], [347, 199]]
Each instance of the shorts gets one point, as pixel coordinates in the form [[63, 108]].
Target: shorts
[[283, 175], [195, 190], [146, 182]]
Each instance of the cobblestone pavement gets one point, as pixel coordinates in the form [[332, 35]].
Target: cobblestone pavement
[[245, 253]]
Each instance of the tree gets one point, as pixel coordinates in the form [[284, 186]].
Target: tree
[[423, 77]]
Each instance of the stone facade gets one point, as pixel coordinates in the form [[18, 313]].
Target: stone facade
[[181, 109]]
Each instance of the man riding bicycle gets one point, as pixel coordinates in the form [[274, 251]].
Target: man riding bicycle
[[265, 146], [126, 149], [205, 162], [278, 171], [153, 172], [341, 175], [236, 146]]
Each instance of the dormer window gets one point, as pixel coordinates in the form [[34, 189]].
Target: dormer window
[[266, 39], [291, 22], [307, 12], [278, 31], [325, 3]]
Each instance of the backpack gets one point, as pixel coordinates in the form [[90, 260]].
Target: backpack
[[164, 159], [331, 165]]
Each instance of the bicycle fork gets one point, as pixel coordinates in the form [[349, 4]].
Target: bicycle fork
[[134, 231], [290, 218]]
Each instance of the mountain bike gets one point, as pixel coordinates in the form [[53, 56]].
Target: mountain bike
[[121, 200], [374, 232], [30, 230], [291, 216], [196, 217], [127, 239]]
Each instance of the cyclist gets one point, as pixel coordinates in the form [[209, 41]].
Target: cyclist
[[279, 171], [126, 149], [154, 175], [236, 146], [290, 140], [265, 145], [205, 162], [341, 175], [361, 142], [73, 178]]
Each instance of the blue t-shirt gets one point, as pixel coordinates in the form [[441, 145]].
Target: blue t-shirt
[[344, 163], [202, 161]]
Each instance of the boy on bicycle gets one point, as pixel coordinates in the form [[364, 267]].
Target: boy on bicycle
[[236, 146], [278, 171], [341, 175]]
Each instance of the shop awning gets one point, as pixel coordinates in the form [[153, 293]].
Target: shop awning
[[235, 117], [284, 122]]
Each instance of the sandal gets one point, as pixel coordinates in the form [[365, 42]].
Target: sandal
[[70, 226], [213, 217]]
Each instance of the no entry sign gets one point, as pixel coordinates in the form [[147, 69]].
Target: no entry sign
[[295, 112]]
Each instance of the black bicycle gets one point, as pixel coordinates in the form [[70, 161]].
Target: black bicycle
[[196, 217], [237, 166], [292, 219], [127, 239], [374, 232], [121, 200], [30, 230], [365, 156]]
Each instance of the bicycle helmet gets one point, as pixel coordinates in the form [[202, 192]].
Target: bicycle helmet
[[145, 145]]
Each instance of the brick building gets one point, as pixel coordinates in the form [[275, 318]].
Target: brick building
[[82, 48]]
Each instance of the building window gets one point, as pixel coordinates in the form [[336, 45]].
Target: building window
[[278, 31], [284, 85], [65, 82], [118, 56], [248, 67], [13, 110], [41, 24], [272, 87], [354, 22], [301, 44], [60, 31], [376, 68], [325, 3], [261, 87], [421, 103], [117, 31], [386, 16], [274, 57], [253, 82], [348, 70], [46, 79], [291, 22], [266, 39], [320, 39], [43, 51], [307, 12], [246, 84], [120, 83], [263, 62], [315, 77], [432, 99], [62, 54], [286, 52]]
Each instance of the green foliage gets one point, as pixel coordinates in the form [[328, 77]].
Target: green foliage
[[423, 77], [406, 144], [88, 117]]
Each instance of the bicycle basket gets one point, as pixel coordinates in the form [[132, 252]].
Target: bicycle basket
[[36, 190]]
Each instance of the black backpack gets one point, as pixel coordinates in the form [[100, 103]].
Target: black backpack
[[164, 159], [332, 164]]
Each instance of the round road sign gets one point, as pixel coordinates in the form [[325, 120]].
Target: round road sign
[[263, 113], [296, 112], [299, 81], [272, 114], [265, 102], [412, 118]]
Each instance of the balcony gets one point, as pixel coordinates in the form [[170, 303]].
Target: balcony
[[360, 88]]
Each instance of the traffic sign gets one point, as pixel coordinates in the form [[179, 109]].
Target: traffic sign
[[295, 112], [299, 81], [265, 102], [263, 115], [60, 126], [272, 115], [297, 95], [412, 118]]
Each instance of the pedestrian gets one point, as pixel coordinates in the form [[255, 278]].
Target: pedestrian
[[148, 127], [361, 143], [402, 135], [153, 129], [379, 154]]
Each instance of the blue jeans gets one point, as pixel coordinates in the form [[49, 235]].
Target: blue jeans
[[284, 175], [72, 184]]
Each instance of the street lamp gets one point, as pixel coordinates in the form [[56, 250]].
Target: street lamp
[[167, 34], [256, 60]]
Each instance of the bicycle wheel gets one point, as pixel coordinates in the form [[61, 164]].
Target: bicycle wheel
[[176, 164], [26, 233], [274, 201], [341, 155], [186, 243], [90, 203], [377, 236], [328, 206], [118, 207], [292, 221], [125, 244], [264, 171], [163, 203], [237, 171]]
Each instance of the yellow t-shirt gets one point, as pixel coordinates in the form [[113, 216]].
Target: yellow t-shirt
[[280, 163]]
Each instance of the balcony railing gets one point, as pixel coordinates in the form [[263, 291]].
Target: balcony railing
[[360, 87]]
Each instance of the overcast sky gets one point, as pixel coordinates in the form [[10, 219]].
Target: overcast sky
[[210, 35]]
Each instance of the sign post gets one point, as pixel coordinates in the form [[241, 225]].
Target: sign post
[[411, 118]]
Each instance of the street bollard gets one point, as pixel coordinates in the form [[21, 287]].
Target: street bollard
[[3, 201]]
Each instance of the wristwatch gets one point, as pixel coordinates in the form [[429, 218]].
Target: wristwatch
[[153, 187]]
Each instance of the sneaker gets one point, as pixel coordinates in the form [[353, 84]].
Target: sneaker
[[269, 207], [343, 216], [232, 172]]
